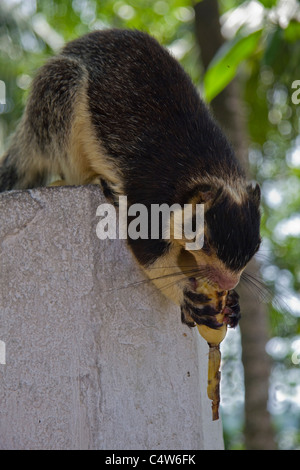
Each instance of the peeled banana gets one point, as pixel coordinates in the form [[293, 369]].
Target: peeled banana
[[214, 338]]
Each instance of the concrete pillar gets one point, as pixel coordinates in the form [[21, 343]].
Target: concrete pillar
[[89, 361]]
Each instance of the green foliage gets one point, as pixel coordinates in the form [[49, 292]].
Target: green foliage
[[292, 32], [224, 66], [30, 33]]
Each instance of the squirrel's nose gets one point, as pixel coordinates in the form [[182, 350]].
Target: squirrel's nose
[[225, 280]]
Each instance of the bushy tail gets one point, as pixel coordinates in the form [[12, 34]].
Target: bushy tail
[[8, 174], [20, 173]]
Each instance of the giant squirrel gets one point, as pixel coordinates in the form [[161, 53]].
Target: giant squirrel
[[114, 107]]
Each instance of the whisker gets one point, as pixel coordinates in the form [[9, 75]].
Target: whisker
[[254, 289], [257, 286], [194, 272], [266, 293], [263, 256], [176, 281]]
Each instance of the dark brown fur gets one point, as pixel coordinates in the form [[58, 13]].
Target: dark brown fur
[[114, 106]]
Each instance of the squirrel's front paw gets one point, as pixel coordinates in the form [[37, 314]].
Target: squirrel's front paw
[[202, 308], [232, 309], [196, 309]]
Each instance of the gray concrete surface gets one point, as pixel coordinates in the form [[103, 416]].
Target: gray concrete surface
[[86, 362]]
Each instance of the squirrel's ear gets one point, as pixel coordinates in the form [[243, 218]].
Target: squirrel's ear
[[208, 193], [205, 193], [253, 190]]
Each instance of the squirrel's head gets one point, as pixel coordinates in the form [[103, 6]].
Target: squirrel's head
[[231, 234]]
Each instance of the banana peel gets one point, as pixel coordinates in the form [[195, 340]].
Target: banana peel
[[214, 338]]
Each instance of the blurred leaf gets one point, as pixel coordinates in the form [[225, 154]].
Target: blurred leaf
[[268, 3], [224, 66], [273, 44], [292, 32]]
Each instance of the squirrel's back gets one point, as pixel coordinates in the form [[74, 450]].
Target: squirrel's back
[[117, 98], [148, 114]]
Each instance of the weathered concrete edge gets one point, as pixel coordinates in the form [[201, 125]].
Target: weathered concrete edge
[[70, 213]]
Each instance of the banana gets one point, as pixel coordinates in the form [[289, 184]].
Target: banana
[[214, 338], [214, 377]]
